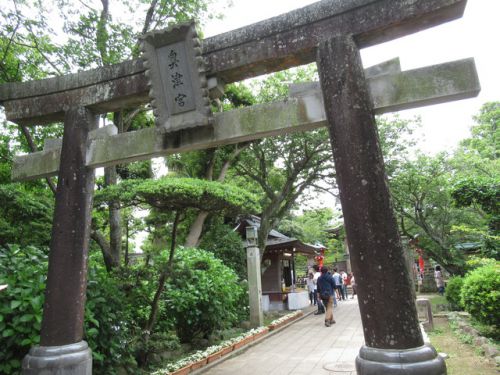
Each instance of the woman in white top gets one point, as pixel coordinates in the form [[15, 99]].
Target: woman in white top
[[310, 288]]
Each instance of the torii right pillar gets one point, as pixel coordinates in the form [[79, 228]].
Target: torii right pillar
[[393, 340]]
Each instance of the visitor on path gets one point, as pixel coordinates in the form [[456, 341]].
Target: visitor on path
[[347, 283], [326, 292], [438, 276], [317, 274], [343, 275], [310, 288], [353, 284], [338, 284]]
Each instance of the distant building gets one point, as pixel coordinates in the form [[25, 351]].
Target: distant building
[[279, 277]]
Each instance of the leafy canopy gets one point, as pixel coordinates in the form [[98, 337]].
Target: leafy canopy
[[170, 193]]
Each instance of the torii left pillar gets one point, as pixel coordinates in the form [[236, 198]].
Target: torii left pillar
[[62, 350]]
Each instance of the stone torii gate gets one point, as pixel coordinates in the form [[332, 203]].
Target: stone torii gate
[[329, 32]]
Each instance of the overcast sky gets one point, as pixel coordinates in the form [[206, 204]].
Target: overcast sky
[[475, 35]]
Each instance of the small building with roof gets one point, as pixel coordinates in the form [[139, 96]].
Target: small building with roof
[[279, 276]]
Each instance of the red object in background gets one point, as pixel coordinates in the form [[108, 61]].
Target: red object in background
[[420, 252], [421, 263], [320, 258]]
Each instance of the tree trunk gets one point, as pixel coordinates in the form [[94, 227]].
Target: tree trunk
[[166, 272], [193, 237], [98, 237], [127, 234], [115, 228], [196, 228]]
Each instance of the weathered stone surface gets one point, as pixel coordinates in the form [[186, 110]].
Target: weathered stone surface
[[73, 359], [490, 351], [254, 287], [101, 97], [279, 43], [425, 86], [305, 111], [388, 311], [424, 311], [176, 76], [62, 322], [423, 360], [291, 39]]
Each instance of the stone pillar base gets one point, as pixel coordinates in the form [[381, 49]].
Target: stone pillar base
[[423, 360], [73, 359]]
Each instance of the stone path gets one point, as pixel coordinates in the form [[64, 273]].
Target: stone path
[[303, 348]]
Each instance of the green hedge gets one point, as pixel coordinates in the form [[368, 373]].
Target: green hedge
[[452, 293], [202, 296], [24, 271], [480, 294]]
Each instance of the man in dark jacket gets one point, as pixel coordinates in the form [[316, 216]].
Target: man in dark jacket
[[326, 290]]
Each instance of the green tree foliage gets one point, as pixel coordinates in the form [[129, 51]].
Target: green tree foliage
[[449, 200], [25, 215], [170, 193], [55, 37], [178, 195], [476, 185], [25, 209], [24, 271], [203, 295], [226, 245], [482, 193], [453, 290], [486, 133], [112, 318], [284, 168], [397, 140], [422, 198], [480, 294], [203, 291], [310, 227]]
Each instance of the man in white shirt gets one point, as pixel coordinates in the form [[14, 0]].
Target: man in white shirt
[[343, 274], [317, 274]]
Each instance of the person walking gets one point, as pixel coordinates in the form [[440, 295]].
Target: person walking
[[317, 274], [310, 288], [438, 276], [326, 290], [338, 284], [347, 284], [343, 275], [353, 284]]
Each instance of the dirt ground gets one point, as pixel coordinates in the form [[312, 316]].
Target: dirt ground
[[463, 359]]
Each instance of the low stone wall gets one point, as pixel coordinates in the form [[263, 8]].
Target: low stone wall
[[461, 321]]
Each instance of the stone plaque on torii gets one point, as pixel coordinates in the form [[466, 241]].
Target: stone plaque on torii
[[329, 32]]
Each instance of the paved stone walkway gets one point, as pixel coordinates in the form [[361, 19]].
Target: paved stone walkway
[[306, 347]]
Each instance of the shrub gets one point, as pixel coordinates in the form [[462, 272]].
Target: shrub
[[452, 293], [226, 244], [110, 322], [24, 271], [480, 294], [202, 294], [110, 314], [476, 262]]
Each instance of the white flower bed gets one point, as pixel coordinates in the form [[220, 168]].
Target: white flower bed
[[285, 318], [201, 354]]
